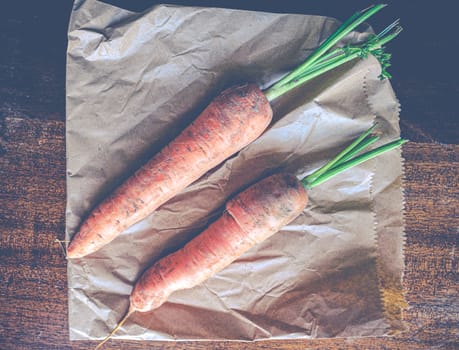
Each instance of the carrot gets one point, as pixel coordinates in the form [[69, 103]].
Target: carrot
[[233, 119], [250, 218]]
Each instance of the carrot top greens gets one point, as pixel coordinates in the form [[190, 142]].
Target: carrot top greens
[[324, 58], [348, 158]]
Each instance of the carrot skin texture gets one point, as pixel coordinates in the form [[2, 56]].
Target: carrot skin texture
[[232, 120], [250, 217]]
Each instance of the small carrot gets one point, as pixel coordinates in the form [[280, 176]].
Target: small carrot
[[250, 217], [233, 119]]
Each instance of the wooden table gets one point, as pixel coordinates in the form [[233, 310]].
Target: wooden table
[[33, 285]]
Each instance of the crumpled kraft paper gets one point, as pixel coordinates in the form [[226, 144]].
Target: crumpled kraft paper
[[135, 80]]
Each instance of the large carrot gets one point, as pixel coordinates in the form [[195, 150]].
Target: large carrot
[[235, 118], [250, 217]]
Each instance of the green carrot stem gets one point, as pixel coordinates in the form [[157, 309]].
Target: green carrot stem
[[350, 24], [384, 36], [344, 55], [351, 163], [347, 54], [369, 140], [336, 53], [340, 155], [393, 25]]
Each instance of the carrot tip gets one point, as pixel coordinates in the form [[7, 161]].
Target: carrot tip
[[62, 245], [118, 326]]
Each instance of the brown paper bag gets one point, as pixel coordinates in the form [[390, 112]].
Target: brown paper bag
[[134, 80]]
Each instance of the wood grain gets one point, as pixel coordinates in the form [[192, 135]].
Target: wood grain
[[33, 286]]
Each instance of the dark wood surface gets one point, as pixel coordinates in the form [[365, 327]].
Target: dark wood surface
[[33, 285]]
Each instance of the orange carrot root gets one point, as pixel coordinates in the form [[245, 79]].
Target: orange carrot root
[[235, 118], [251, 217], [118, 326]]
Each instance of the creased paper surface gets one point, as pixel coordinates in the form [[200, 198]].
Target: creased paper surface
[[135, 80]]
